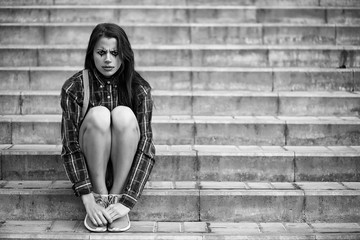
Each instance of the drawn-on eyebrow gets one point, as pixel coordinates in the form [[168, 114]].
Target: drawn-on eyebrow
[[111, 50]]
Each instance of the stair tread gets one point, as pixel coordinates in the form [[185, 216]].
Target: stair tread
[[192, 2], [187, 47], [170, 24], [203, 150], [185, 230], [192, 201], [189, 68], [190, 7], [207, 119], [193, 187], [219, 93], [145, 6]]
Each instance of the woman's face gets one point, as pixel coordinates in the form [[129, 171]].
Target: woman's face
[[106, 56]]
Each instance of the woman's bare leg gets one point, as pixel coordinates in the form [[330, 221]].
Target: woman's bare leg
[[125, 138], [95, 142]]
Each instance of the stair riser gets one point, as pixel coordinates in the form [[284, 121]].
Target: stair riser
[[320, 168], [216, 207], [50, 167], [278, 168], [33, 80], [292, 106], [185, 205], [206, 105], [274, 168], [201, 80], [182, 15], [30, 104], [277, 134], [347, 3], [185, 57], [178, 133], [186, 35], [318, 81], [308, 134], [152, 206], [32, 167]]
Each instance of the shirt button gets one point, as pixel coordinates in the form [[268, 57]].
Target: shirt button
[[108, 96], [101, 86]]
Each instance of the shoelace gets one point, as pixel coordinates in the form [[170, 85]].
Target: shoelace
[[113, 198], [102, 200]]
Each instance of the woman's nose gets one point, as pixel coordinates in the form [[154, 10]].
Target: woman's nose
[[108, 58]]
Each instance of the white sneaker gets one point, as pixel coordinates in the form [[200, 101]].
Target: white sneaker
[[121, 224], [102, 200]]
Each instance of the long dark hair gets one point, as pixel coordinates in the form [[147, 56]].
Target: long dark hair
[[127, 76]]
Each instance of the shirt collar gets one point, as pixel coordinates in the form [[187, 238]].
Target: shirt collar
[[103, 80]]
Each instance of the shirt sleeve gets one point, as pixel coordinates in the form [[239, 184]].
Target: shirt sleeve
[[144, 156], [73, 157]]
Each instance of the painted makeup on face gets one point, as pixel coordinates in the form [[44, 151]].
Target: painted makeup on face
[[106, 56]]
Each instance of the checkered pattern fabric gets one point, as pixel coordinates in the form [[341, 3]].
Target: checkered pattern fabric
[[104, 93]]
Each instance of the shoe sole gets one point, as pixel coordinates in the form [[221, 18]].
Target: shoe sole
[[119, 230], [98, 229]]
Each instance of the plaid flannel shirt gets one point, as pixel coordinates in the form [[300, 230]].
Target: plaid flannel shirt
[[104, 94]]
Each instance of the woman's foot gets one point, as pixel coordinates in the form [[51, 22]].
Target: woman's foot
[[101, 200], [93, 228], [120, 224]]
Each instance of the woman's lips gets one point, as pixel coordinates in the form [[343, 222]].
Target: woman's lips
[[107, 68]]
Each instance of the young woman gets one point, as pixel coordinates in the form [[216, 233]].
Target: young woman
[[108, 153]]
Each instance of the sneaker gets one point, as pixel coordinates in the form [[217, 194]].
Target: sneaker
[[102, 200], [121, 224]]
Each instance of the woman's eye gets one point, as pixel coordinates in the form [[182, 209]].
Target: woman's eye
[[101, 53], [114, 53]]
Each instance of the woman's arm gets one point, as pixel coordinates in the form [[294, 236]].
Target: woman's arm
[[145, 154], [73, 157]]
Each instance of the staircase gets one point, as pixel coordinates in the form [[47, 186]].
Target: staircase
[[256, 121]]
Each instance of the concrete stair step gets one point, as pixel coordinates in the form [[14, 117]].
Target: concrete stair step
[[75, 230], [195, 201], [208, 103], [192, 55], [198, 78], [204, 163], [180, 14], [291, 34], [332, 3], [326, 3], [204, 130]]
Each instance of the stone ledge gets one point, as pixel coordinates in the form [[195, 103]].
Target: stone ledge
[[210, 47], [187, 130], [208, 102], [294, 3], [191, 201], [190, 69], [275, 164], [195, 7], [204, 150], [204, 187], [181, 230]]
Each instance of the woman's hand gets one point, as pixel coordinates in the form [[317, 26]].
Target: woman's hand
[[97, 214], [117, 210]]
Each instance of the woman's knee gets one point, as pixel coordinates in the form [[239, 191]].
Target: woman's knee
[[123, 119], [98, 118]]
